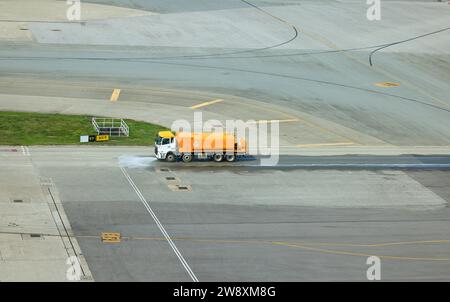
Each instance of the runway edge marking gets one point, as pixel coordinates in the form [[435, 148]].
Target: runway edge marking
[[160, 226]]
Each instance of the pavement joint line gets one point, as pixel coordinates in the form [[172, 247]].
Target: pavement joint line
[[204, 104], [115, 95], [272, 121], [160, 226], [326, 145], [73, 245]]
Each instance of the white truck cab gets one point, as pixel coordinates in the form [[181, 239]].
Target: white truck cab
[[165, 144]]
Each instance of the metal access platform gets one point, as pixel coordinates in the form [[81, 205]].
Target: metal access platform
[[110, 126]]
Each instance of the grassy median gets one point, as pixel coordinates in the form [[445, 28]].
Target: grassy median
[[23, 128]]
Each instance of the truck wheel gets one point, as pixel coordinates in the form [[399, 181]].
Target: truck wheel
[[170, 157], [218, 157], [187, 158], [230, 157]]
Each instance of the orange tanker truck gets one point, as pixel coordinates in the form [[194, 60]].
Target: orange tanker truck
[[202, 145]]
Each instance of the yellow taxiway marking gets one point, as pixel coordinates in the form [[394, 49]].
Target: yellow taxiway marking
[[316, 247], [322, 40], [206, 104], [325, 145], [115, 95], [387, 84], [272, 121], [111, 237]]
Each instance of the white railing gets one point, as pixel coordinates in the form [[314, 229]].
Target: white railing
[[124, 126], [110, 126]]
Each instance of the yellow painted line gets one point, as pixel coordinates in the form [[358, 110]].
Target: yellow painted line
[[272, 121], [312, 246], [383, 71], [350, 253], [400, 243], [206, 104], [111, 237], [325, 145], [387, 84], [115, 95]]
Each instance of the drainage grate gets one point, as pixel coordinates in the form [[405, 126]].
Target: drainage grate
[[178, 188], [19, 200], [32, 236]]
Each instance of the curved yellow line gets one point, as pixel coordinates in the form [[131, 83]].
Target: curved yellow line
[[312, 246]]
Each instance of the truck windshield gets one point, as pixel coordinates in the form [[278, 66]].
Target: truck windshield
[[162, 141]]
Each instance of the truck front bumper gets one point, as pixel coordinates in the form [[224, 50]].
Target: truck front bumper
[[158, 154]]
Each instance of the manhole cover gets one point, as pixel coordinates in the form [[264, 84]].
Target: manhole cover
[[32, 237]]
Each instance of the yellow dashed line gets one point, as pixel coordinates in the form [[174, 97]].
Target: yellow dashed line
[[206, 104], [115, 95], [387, 84], [325, 145]]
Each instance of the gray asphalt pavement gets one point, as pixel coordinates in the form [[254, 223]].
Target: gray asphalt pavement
[[236, 224]]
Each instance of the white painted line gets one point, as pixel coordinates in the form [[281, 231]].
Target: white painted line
[[25, 151], [160, 226]]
